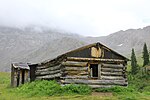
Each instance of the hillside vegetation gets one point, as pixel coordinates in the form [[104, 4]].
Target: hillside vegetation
[[138, 89]]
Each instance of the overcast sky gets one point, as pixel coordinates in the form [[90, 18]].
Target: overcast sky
[[85, 17]]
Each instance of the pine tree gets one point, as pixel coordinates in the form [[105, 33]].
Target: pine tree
[[134, 66], [145, 55]]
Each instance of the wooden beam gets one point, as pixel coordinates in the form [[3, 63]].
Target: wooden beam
[[49, 69], [47, 65], [93, 59], [49, 76], [99, 71], [113, 66], [111, 70], [95, 82], [112, 78], [112, 73], [47, 72], [76, 68], [75, 64], [75, 77], [80, 73], [101, 86]]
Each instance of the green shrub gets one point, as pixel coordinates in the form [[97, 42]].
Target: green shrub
[[50, 88], [77, 89]]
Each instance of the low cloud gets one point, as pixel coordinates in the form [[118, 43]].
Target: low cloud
[[86, 17]]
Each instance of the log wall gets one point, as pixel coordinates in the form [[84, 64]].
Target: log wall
[[73, 70], [49, 70], [110, 72]]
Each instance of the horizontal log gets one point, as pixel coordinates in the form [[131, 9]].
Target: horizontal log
[[113, 66], [112, 73], [76, 72], [111, 70], [93, 59], [49, 76], [112, 78], [75, 64], [47, 65], [83, 73], [95, 82], [76, 68], [49, 69], [101, 86], [47, 72], [75, 77]]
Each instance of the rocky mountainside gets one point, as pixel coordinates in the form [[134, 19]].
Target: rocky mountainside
[[124, 41], [35, 44]]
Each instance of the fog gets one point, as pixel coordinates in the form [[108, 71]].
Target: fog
[[85, 17]]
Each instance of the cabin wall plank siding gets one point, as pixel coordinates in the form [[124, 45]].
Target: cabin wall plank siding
[[86, 53], [110, 55]]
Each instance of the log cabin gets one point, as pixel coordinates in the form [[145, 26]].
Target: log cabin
[[95, 65]]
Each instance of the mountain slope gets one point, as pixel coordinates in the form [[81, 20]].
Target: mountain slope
[[124, 41], [35, 44]]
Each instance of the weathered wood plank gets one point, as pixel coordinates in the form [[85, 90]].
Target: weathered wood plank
[[99, 71], [75, 77], [47, 72], [75, 64], [49, 76], [47, 65], [49, 69], [101, 86], [112, 78], [95, 52], [111, 70], [93, 59], [80, 73], [112, 73], [95, 82], [113, 66], [76, 69]]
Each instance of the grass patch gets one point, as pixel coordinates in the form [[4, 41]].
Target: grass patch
[[52, 88], [138, 89], [117, 89]]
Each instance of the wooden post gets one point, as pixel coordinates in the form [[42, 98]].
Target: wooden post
[[89, 70], [18, 76], [99, 71], [12, 75]]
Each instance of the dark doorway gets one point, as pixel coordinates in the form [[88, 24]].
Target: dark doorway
[[94, 70], [32, 72], [23, 75], [18, 77]]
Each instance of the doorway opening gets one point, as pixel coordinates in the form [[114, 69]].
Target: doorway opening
[[94, 70], [23, 75]]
